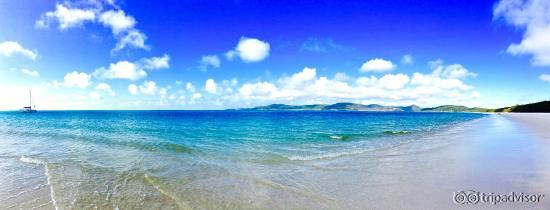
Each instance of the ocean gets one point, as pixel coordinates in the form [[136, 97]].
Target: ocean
[[196, 159]]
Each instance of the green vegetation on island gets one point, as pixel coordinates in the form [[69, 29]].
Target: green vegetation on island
[[543, 106], [334, 107], [455, 108]]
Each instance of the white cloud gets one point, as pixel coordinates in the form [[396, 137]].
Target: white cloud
[[341, 76], [532, 17], [250, 50], [306, 76], [394, 81], [407, 59], [77, 79], [132, 70], [148, 88], [66, 17], [104, 87], [133, 89], [132, 39], [455, 71], [156, 62], [197, 95], [259, 89], [230, 55], [308, 87], [377, 65], [436, 81], [32, 73], [189, 86], [545, 77], [121, 70], [209, 61], [366, 81], [210, 86], [121, 24], [117, 20], [10, 48]]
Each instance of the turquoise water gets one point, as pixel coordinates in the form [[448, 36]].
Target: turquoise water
[[198, 159]]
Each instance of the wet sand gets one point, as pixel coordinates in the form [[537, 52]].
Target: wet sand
[[501, 153]]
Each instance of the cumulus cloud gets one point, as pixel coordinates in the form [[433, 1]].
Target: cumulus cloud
[[77, 79], [366, 81], [306, 86], [341, 76], [117, 20], [133, 89], [121, 70], [249, 50], [148, 87], [440, 85], [393, 81], [132, 70], [10, 48], [132, 39], [299, 79], [210, 86], [377, 65], [196, 96], [121, 24], [32, 73], [258, 90], [407, 59], [531, 16], [66, 17], [455, 71], [156, 62], [545, 77], [209, 61], [123, 28], [104, 87]]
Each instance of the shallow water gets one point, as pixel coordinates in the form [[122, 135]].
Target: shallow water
[[202, 159]]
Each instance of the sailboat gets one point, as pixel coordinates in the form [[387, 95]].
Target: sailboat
[[29, 109]]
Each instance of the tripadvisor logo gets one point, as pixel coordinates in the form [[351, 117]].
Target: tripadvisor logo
[[472, 197]]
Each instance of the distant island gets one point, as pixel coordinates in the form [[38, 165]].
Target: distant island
[[543, 106]]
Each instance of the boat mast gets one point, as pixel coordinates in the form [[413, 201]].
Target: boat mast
[[30, 99]]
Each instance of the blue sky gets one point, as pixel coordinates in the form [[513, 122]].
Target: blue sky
[[98, 54]]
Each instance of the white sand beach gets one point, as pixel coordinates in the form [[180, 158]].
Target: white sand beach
[[501, 153]]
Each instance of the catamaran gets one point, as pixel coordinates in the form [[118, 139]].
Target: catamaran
[[29, 109]]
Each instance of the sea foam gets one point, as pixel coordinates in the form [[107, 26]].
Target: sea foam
[[46, 173]]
